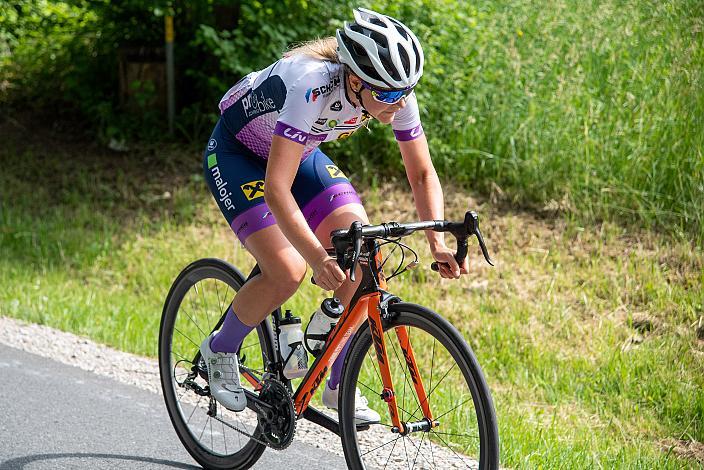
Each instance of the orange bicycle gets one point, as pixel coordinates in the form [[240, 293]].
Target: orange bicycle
[[411, 365]]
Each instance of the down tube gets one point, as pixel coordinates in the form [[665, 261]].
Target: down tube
[[342, 333]]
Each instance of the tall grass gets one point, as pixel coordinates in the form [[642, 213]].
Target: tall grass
[[594, 109]]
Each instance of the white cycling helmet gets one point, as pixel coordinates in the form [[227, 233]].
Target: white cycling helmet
[[380, 50]]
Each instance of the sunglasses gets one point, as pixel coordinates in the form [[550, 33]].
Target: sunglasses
[[387, 96]]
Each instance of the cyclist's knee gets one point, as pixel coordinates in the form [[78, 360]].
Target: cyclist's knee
[[340, 218], [287, 277]]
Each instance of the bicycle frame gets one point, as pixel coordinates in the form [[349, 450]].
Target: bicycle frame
[[369, 302]]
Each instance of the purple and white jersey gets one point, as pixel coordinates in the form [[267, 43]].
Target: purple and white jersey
[[302, 99]]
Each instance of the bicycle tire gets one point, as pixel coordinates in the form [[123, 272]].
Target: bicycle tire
[[420, 322], [213, 270]]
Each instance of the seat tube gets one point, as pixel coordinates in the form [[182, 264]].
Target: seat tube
[[407, 349], [376, 328]]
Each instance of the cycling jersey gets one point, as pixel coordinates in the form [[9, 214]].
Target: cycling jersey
[[304, 100]]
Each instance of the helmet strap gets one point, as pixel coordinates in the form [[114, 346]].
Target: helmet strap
[[357, 94]]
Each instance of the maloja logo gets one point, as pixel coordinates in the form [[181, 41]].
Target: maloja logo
[[220, 185], [295, 135]]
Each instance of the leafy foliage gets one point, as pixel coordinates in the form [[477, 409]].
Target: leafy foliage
[[595, 110]]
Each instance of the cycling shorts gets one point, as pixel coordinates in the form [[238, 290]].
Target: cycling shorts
[[236, 180]]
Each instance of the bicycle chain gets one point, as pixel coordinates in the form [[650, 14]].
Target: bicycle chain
[[235, 428], [272, 382]]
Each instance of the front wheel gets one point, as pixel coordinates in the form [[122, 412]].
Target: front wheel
[[459, 399]]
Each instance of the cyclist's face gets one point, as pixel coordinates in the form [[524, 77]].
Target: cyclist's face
[[381, 111]]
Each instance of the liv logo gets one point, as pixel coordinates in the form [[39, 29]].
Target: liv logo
[[295, 136], [224, 195]]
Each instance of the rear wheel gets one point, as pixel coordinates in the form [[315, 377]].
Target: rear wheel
[[467, 435], [216, 437]]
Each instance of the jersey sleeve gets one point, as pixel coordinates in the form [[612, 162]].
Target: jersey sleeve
[[302, 107], [406, 123]]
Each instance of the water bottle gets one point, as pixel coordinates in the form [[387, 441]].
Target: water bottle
[[321, 324], [291, 346]]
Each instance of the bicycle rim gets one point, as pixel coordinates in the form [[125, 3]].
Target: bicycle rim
[[198, 299], [466, 436]]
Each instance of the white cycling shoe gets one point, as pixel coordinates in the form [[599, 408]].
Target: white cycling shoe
[[224, 377], [362, 413]]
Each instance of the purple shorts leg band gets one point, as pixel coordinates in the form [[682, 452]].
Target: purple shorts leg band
[[327, 201], [251, 220], [231, 334]]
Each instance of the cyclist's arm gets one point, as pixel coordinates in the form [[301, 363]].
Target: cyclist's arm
[[281, 169], [428, 195]]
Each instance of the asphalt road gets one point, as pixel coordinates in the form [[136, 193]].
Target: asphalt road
[[54, 416]]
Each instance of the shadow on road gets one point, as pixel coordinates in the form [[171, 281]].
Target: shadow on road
[[20, 462]]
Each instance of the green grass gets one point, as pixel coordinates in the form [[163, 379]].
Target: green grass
[[594, 109], [90, 243]]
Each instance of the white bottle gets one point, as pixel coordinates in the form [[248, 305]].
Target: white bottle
[[321, 324], [291, 346]]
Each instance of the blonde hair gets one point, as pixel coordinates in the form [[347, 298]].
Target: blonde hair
[[321, 49]]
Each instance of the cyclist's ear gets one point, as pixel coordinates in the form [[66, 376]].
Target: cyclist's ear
[[355, 82]]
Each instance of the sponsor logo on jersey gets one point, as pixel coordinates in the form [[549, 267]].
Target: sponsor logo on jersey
[[332, 123], [351, 121], [321, 121], [257, 103], [294, 135], [344, 135], [212, 143], [365, 116], [221, 191], [312, 94], [253, 189], [335, 172], [336, 106], [416, 131]]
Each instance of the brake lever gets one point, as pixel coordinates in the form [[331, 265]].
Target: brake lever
[[471, 227], [356, 229], [482, 245]]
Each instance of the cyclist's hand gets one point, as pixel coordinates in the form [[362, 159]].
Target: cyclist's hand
[[327, 274], [447, 264]]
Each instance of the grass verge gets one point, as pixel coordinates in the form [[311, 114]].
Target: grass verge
[[590, 337]]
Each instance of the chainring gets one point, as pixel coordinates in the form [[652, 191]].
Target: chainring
[[278, 426]]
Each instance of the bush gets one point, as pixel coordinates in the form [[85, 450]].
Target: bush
[[592, 109]]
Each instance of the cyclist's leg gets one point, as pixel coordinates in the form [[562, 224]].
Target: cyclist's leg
[[341, 217], [237, 184], [328, 201]]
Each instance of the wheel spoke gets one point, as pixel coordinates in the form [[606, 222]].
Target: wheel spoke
[[436, 385], [449, 447], [384, 444], [390, 453], [187, 337]]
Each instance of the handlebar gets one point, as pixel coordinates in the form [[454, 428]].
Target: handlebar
[[345, 239]]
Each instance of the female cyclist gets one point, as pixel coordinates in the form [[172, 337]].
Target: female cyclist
[[282, 196]]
